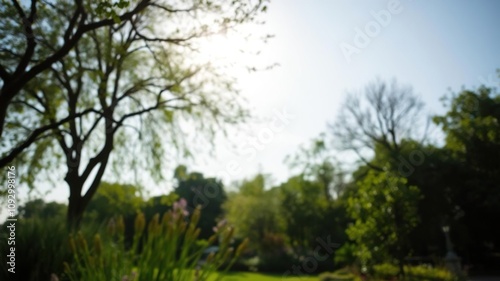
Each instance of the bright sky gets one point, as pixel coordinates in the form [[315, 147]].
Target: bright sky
[[431, 45]]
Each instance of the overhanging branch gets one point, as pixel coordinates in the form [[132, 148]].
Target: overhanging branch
[[36, 133]]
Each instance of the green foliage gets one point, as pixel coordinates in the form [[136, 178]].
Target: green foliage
[[316, 163], [339, 275], [159, 204], [169, 251], [39, 248], [388, 271], [115, 93], [208, 193], [285, 222], [108, 9], [255, 211], [250, 276], [385, 271], [303, 202], [423, 272], [345, 255], [473, 118], [472, 126], [113, 199], [38, 208], [276, 263], [274, 256], [384, 210]]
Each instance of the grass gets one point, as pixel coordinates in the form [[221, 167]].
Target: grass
[[249, 276]]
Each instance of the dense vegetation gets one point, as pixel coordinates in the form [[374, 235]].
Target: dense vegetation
[[321, 219], [97, 94]]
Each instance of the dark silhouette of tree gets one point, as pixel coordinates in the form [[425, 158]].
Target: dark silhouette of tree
[[472, 128], [383, 116], [208, 193]]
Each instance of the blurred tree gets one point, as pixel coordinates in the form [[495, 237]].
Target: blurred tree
[[384, 210], [432, 170], [114, 199], [159, 204], [255, 212], [26, 29], [200, 191], [125, 86], [316, 163], [382, 118], [38, 208], [384, 128], [309, 217], [304, 208], [37, 34], [472, 127]]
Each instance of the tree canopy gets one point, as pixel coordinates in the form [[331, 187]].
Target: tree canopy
[[122, 78]]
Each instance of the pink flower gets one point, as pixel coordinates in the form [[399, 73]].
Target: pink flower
[[181, 206]]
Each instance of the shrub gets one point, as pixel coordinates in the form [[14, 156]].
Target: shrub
[[169, 250], [385, 271], [388, 271], [277, 263], [339, 275], [422, 272], [38, 249], [345, 255]]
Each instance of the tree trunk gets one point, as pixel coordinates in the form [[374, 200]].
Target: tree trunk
[[75, 205], [75, 213], [4, 103], [401, 272], [77, 201]]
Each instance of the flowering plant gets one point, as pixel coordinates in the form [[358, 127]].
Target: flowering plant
[[168, 249]]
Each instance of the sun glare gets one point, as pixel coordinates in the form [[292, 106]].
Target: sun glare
[[232, 50]]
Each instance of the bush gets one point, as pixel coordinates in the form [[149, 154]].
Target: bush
[[165, 249], [345, 255], [385, 271], [41, 249], [422, 272], [339, 275], [388, 271], [276, 263]]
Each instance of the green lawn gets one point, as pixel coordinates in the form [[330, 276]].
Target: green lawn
[[246, 276]]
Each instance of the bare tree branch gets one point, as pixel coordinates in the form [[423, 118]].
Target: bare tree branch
[[390, 114], [172, 10], [30, 38], [39, 131]]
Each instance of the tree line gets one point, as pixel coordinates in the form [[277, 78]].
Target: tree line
[[90, 89], [391, 207]]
